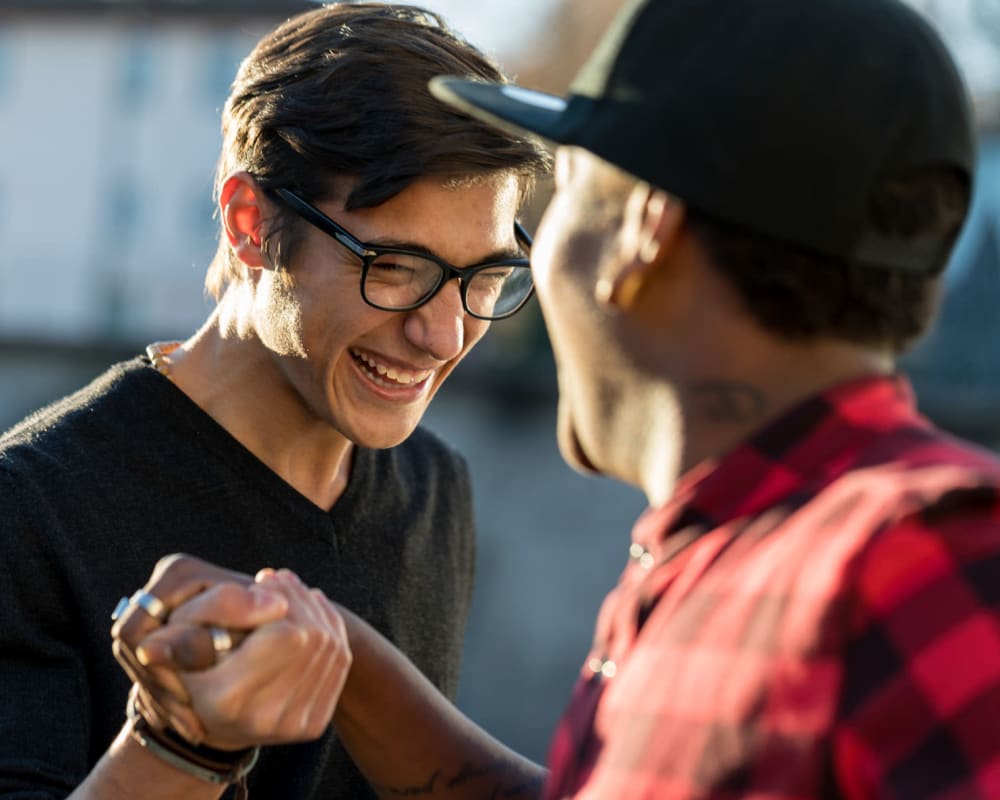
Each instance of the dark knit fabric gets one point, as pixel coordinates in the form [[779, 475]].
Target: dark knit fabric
[[99, 486]]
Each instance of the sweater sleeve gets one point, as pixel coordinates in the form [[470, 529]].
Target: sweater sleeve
[[44, 721]]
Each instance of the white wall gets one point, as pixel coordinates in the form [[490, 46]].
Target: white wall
[[108, 140]]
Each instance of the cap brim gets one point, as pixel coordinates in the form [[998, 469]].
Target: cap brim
[[507, 106]]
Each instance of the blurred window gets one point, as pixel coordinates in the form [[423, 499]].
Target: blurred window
[[222, 60], [122, 209], [136, 70], [201, 214], [5, 62]]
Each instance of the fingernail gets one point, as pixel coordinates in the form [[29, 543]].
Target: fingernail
[[266, 600], [289, 576], [264, 574], [146, 658]]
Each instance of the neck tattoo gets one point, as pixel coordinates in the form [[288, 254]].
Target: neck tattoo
[[729, 401]]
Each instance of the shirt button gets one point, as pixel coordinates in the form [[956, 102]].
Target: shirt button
[[642, 555], [604, 667]]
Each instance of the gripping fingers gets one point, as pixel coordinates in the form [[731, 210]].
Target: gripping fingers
[[175, 579], [163, 711], [311, 708], [142, 673], [185, 647], [232, 609], [282, 684], [335, 666]]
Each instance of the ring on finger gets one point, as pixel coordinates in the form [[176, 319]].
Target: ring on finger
[[149, 603], [152, 605], [222, 642]]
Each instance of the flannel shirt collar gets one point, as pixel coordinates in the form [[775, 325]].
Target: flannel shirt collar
[[804, 447]]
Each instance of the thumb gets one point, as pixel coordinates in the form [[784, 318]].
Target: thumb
[[185, 643], [232, 605]]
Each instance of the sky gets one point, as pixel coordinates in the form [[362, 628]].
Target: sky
[[976, 47], [501, 28]]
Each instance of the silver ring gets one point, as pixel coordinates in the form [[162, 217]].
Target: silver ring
[[222, 642], [151, 604], [120, 609]]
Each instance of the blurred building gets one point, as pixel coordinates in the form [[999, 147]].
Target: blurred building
[[956, 368], [110, 134], [110, 130]]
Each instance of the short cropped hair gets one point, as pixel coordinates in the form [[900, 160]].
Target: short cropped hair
[[797, 293], [340, 92]]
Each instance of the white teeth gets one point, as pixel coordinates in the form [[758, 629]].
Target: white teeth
[[396, 376]]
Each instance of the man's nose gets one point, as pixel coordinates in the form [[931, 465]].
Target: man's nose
[[438, 326]]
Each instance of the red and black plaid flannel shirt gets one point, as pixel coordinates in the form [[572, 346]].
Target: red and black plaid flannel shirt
[[815, 615]]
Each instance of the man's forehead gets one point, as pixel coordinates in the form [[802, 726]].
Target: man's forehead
[[582, 164], [460, 222]]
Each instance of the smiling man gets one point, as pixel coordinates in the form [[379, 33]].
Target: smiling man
[[368, 238], [754, 204]]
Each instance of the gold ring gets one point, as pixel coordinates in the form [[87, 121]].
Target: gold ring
[[222, 642]]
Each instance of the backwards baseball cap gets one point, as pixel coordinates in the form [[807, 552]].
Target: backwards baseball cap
[[780, 116]]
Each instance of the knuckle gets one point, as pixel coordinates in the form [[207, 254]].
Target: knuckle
[[324, 637], [228, 706], [265, 721], [314, 727], [319, 595], [170, 565], [289, 638], [232, 597], [131, 629], [305, 638], [338, 623], [312, 639]]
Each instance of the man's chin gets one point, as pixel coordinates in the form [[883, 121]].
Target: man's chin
[[572, 451], [381, 438]]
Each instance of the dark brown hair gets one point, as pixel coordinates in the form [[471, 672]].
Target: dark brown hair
[[801, 294], [341, 92]]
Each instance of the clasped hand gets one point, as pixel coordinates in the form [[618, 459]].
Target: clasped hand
[[281, 681]]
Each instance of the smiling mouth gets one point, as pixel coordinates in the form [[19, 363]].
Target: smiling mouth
[[386, 376]]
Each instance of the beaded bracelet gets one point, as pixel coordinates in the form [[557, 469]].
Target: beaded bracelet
[[206, 763]]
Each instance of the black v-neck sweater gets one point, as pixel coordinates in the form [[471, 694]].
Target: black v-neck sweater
[[97, 487]]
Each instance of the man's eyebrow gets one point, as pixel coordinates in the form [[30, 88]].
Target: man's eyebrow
[[504, 254]]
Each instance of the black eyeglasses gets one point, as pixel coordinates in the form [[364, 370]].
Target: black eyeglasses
[[394, 279]]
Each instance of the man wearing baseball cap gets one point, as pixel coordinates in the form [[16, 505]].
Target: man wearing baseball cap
[[754, 203]]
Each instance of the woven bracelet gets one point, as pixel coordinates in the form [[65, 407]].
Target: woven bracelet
[[206, 763]]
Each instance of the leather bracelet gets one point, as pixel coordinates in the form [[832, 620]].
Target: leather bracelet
[[206, 763]]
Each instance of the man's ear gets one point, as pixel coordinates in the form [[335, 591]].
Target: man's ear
[[239, 206], [651, 222]]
